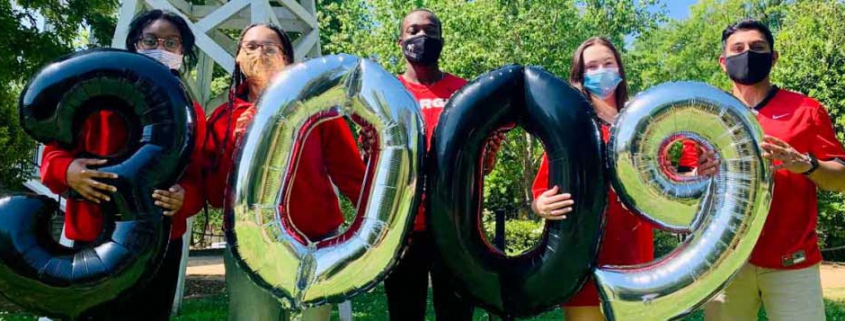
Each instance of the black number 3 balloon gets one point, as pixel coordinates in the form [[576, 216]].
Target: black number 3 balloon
[[43, 276]]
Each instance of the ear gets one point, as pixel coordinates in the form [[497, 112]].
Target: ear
[[722, 63], [775, 57]]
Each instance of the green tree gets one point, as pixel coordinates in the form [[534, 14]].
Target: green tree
[[27, 46], [689, 49]]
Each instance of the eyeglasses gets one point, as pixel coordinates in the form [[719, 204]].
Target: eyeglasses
[[150, 42], [268, 47]]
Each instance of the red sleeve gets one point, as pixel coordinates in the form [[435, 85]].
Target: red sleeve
[[215, 165], [343, 161], [192, 180], [54, 166], [541, 181], [689, 154], [825, 146]]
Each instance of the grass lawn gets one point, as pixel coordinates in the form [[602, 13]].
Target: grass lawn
[[373, 306]]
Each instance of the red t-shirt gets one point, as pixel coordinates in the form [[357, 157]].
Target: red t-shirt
[[689, 155], [790, 228], [103, 134], [329, 155], [431, 98]]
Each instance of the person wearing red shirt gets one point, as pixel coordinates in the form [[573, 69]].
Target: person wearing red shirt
[[783, 271], [166, 37], [329, 158], [421, 42], [627, 239]]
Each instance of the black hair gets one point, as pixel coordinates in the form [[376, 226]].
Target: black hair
[[144, 19], [434, 18], [238, 79], [748, 24]]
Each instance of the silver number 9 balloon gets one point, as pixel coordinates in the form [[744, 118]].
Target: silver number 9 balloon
[[723, 214], [303, 274]]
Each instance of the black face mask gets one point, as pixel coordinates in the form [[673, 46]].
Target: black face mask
[[422, 49], [749, 67]]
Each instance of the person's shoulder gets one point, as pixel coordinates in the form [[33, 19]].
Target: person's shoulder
[[238, 105], [799, 100], [452, 79], [198, 110]]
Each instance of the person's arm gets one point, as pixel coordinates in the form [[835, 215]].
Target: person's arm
[[830, 174], [343, 161], [215, 165], [189, 189], [541, 182], [61, 171], [54, 164], [549, 203]]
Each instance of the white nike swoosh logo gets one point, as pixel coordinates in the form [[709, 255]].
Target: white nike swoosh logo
[[780, 116]]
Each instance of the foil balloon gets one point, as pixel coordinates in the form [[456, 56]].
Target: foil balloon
[[723, 215], [43, 276], [263, 240], [555, 269]]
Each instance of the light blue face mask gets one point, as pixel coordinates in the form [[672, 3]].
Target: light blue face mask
[[602, 82]]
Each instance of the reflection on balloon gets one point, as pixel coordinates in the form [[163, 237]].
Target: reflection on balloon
[[557, 114], [302, 272], [43, 276], [723, 214]]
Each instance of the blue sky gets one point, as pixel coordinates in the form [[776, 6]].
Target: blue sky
[[675, 9], [678, 9]]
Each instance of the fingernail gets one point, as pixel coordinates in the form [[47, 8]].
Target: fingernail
[[108, 199]]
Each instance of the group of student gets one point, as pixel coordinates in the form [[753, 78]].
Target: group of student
[[782, 273]]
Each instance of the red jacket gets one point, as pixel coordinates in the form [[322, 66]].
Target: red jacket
[[103, 134], [329, 155]]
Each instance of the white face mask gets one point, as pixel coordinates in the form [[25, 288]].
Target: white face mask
[[169, 59]]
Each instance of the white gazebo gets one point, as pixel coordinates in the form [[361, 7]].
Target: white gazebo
[[208, 22]]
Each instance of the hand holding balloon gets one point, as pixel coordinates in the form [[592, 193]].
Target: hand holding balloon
[[791, 159], [82, 179], [170, 200], [553, 206], [367, 138], [244, 120], [707, 162], [493, 146]]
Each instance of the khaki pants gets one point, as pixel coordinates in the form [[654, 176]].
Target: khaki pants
[[248, 302], [785, 294]]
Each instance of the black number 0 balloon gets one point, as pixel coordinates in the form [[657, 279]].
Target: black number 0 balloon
[[35, 271], [560, 117]]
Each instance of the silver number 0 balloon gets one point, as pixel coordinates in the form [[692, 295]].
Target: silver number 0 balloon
[[724, 214], [260, 239]]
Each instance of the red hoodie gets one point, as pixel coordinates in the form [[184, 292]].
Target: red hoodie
[[104, 134], [330, 155]]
